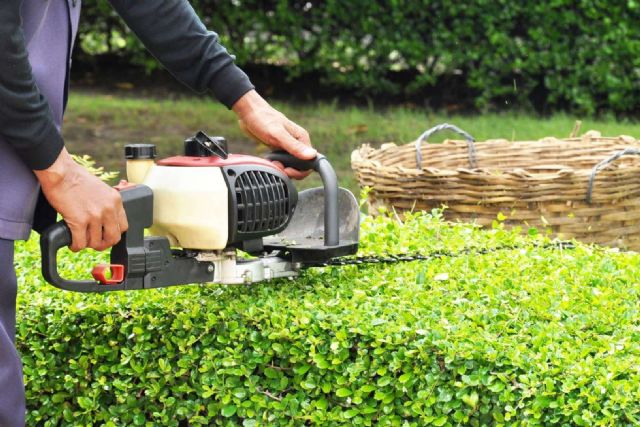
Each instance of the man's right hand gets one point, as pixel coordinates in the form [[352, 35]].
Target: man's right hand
[[92, 210]]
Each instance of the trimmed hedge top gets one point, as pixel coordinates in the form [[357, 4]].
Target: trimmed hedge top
[[529, 336]]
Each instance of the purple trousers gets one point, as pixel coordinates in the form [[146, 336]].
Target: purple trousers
[[11, 392], [49, 28]]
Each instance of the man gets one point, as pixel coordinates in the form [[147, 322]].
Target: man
[[36, 38]]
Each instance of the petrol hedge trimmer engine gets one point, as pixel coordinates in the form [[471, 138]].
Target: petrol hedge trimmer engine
[[199, 209]]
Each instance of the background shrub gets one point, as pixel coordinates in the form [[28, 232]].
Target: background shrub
[[529, 336], [580, 55]]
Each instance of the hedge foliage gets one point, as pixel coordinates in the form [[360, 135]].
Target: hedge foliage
[[530, 336], [582, 55]]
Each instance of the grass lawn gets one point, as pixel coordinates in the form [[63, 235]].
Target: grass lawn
[[100, 125]]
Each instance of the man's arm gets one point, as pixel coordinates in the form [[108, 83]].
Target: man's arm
[[92, 210], [175, 35], [25, 118]]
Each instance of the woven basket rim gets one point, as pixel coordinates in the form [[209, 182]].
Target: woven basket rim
[[366, 153]]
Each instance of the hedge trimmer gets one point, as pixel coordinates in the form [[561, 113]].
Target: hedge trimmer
[[201, 208]]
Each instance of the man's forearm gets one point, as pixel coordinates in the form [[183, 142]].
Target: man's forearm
[[55, 173]]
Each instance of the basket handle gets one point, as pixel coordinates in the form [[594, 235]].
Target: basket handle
[[446, 126], [604, 163]]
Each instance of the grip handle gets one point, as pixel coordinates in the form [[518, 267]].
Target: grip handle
[[52, 240], [128, 255], [291, 161], [330, 183]]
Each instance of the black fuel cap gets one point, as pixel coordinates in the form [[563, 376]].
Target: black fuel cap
[[139, 151], [203, 145]]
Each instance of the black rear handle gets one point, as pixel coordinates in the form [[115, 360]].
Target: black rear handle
[[138, 205], [53, 239]]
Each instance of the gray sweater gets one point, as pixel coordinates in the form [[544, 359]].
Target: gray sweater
[[170, 29]]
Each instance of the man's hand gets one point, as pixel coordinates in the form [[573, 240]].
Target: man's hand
[[264, 123], [92, 210]]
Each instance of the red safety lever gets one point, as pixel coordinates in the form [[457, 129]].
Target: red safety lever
[[99, 273]]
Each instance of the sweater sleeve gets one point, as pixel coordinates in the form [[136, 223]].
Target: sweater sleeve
[[25, 118], [173, 33]]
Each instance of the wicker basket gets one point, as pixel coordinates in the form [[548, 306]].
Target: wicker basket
[[586, 187]]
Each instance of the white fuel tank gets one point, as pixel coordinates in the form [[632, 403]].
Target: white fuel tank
[[190, 204]]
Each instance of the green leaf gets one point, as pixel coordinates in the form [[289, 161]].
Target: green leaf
[[343, 392], [240, 393], [496, 387], [271, 373], [322, 404], [229, 411], [61, 397], [321, 362], [308, 384], [440, 421], [303, 369], [367, 388], [384, 381], [350, 413], [85, 402], [404, 378], [139, 419], [471, 399]]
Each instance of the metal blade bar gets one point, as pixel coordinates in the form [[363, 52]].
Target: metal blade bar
[[411, 257]]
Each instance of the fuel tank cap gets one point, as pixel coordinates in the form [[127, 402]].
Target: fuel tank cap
[[139, 151]]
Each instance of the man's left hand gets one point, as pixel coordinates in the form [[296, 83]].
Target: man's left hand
[[264, 123]]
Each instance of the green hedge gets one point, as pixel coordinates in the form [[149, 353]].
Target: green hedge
[[582, 55], [524, 337]]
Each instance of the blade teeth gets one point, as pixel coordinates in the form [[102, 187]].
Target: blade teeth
[[399, 258]]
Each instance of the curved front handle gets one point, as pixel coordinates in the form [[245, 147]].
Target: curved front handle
[[330, 183], [53, 239]]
